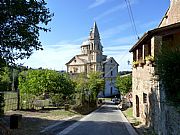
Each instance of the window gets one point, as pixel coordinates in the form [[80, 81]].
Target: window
[[75, 61], [149, 49], [111, 61], [111, 90], [144, 98], [140, 53], [111, 73], [134, 55]]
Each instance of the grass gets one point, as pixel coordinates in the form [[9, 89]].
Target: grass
[[136, 123], [128, 112], [33, 121], [129, 115]]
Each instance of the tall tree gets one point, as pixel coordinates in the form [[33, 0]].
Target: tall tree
[[81, 88], [20, 23], [95, 84], [124, 84]]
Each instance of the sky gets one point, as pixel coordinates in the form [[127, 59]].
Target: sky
[[73, 20]]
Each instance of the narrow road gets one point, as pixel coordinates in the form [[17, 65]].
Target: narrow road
[[107, 120]]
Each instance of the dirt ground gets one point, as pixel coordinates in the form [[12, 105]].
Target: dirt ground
[[34, 121]]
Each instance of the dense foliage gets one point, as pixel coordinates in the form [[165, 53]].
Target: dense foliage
[[81, 88], [20, 23], [169, 71], [95, 84], [44, 82], [88, 87], [124, 84], [5, 79]]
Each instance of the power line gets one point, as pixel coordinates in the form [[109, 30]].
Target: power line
[[128, 4]]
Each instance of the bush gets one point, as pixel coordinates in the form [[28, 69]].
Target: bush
[[169, 71], [57, 99]]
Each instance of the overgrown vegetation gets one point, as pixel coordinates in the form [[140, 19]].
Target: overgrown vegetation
[[124, 84], [88, 87], [44, 83], [168, 63]]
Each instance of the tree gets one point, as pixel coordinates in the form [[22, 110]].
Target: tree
[[20, 23], [124, 84], [80, 88], [40, 82], [5, 79], [95, 84]]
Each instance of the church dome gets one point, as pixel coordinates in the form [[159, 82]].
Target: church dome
[[86, 43]]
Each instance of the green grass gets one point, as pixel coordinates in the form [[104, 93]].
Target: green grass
[[128, 112], [129, 115], [62, 113]]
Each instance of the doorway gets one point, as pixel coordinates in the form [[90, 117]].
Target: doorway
[[137, 106]]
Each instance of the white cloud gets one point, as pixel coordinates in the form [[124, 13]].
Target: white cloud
[[121, 55], [125, 40], [114, 9], [52, 57], [97, 3], [56, 56], [115, 30], [110, 11]]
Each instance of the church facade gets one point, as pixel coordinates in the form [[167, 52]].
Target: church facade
[[92, 59]]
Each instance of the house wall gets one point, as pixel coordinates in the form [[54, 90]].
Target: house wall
[[173, 14], [149, 101], [142, 78], [110, 73], [77, 69]]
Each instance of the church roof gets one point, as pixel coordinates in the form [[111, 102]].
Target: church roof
[[107, 60], [76, 57], [94, 32], [95, 28]]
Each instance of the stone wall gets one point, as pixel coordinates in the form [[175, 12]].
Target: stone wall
[[156, 113], [144, 84]]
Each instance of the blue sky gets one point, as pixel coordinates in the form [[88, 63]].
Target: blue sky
[[73, 19]]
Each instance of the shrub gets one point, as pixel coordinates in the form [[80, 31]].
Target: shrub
[[168, 63]]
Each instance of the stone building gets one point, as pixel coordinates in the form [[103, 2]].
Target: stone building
[[149, 99], [92, 59]]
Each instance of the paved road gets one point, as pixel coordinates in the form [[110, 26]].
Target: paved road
[[107, 120]]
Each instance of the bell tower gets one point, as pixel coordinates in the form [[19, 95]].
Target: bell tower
[[95, 44]]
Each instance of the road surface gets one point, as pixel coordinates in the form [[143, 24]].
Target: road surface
[[107, 120]]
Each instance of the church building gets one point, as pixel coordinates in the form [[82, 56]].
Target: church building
[[92, 59]]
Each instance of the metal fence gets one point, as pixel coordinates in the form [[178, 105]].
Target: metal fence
[[10, 100]]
